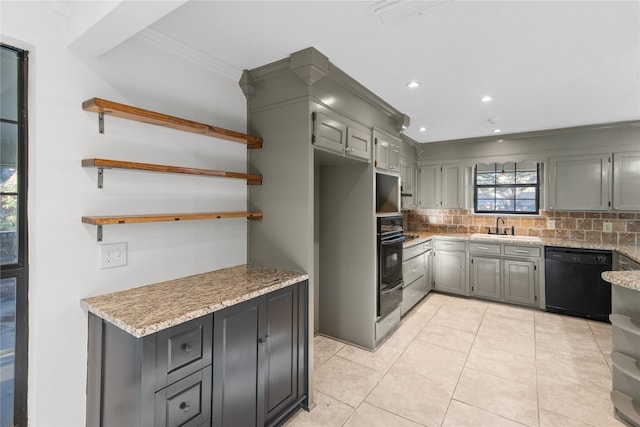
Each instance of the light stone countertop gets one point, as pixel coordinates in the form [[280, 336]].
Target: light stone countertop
[[628, 279], [148, 309]]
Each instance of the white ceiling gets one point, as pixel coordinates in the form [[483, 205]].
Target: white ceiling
[[547, 64]]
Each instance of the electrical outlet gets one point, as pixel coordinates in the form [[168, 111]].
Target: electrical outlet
[[551, 224], [607, 227], [112, 255]]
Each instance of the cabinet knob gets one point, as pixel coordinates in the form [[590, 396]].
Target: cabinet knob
[[185, 406], [186, 347]]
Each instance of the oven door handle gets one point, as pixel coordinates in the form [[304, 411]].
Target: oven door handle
[[390, 242], [395, 288]]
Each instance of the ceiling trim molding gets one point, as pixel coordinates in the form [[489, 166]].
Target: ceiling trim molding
[[185, 51], [336, 75]]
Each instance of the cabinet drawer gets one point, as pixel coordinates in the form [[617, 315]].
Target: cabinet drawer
[[450, 245], [185, 403], [411, 251], [525, 251], [413, 268], [485, 248], [183, 350], [412, 294], [387, 323]]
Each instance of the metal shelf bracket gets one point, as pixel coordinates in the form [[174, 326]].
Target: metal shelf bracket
[[99, 232], [100, 177], [101, 122]]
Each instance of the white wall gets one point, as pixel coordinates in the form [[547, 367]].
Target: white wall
[[63, 251]]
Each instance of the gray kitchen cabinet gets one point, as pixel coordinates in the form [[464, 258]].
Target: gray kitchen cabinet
[[334, 133], [519, 281], [579, 183], [387, 151], [485, 277], [409, 183], [259, 359], [162, 379], [450, 261], [505, 272], [248, 367], [626, 176], [440, 186]]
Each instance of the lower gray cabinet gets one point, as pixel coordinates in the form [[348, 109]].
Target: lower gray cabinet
[[162, 379], [485, 277], [245, 365], [505, 279], [449, 268], [259, 359]]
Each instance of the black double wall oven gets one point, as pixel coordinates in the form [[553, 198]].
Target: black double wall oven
[[390, 240]]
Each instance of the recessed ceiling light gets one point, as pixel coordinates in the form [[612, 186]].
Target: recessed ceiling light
[[486, 98], [423, 129], [413, 84], [497, 131]]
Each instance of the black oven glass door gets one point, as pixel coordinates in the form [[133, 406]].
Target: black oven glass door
[[390, 261]]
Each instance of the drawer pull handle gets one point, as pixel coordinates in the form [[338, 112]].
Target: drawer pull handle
[[185, 406], [186, 347], [521, 251], [483, 248]]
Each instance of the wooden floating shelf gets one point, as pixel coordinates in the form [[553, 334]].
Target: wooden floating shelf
[[132, 219], [119, 164], [103, 106]]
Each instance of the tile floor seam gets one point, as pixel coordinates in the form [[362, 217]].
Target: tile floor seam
[[464, 366]]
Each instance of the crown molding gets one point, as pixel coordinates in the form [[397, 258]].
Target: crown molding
[[185, 51]]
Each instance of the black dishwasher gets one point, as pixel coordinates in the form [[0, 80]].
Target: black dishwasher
[[573, 285]]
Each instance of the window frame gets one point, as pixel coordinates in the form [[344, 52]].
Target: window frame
[[20, 269], [513, 186]]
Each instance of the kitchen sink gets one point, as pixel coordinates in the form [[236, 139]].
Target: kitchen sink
[[505, 236]]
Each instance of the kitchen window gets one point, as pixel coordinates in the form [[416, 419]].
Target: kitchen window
[[508, 188]]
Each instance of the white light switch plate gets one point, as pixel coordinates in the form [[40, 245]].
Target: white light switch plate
[[112, 255], [607, 227], [551, 224]]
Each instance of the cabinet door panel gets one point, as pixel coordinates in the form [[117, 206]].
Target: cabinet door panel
[[450, 273], [237, 384], [485, 274], [579, 183], [626, 177], [519, 281], [282, 350], [429, 184], [329, 133], [359, 143], [394, 157], [451, 196]]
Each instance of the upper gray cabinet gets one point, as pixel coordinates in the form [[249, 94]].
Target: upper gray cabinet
[[594, 182], [579, 183], [409, 183], [441, 186], [336, 134], [626, 181], [387, 151]]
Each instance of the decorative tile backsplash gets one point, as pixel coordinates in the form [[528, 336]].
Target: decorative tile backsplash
[[586, 226]]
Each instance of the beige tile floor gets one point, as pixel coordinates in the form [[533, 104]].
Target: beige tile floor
[[464, 362]]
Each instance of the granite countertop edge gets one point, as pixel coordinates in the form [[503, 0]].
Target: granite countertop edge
[[627, 279], [148, 309]]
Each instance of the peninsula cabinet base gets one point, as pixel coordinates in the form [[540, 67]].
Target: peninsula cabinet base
[[243, 365]]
